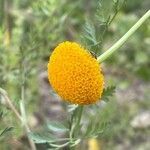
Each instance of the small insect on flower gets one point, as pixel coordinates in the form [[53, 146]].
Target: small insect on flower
[[75, 74]]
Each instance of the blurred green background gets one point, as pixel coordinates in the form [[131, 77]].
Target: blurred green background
[[31, 29]]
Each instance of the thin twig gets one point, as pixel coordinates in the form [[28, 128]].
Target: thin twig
[[8, 101], [12, 107]]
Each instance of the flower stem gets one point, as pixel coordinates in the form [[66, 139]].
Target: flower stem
[[121, 41]]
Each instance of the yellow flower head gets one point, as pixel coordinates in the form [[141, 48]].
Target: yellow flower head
[[75, 74]]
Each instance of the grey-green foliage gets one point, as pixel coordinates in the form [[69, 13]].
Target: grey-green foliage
[[37, 27], [95, 122], [108, 93], [49, 20], [70, 129], [49, 135], [98, 118], [97, 27]]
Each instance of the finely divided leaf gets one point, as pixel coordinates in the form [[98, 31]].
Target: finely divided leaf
[[108, 92]]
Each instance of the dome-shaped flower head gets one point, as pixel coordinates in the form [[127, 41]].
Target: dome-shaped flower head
[[75, 74]]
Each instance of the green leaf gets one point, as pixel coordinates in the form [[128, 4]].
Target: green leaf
[[41, 138], [108, 92], [90, 32], [6, 130], [46, 137], [57, 126]]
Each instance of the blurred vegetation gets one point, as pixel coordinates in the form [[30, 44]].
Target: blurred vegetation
[[29, 31]]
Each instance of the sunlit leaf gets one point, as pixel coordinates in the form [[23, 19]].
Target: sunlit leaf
[[56, 126], [41, 138]]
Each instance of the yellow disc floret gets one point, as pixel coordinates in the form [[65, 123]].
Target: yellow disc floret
[[75, 74]]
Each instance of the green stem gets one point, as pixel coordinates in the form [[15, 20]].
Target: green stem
[[80, 110], [76, 118], [22, 101], [75, 126], [120, 42]]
